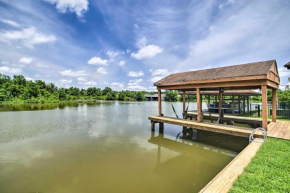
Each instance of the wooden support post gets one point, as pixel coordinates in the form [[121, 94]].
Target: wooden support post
[[233, 104], [198, 98], [248, 103], [215, 101], [221, 113], [220, 101], [264, 107], [159, 102], [161, 127], [244, 104], [184, 100], [208, 100], [239, 102], [274, 104]]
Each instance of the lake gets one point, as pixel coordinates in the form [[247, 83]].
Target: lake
[[106, 147]]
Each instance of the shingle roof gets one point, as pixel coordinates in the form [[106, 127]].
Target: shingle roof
[[287, 65], [250, 69]]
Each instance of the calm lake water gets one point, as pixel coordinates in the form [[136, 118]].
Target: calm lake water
[[105, 147]]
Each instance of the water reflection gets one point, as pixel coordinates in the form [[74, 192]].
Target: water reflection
[[105, 147]]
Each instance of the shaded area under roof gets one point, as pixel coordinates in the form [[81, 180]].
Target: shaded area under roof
[[227, 92], [242, 70]]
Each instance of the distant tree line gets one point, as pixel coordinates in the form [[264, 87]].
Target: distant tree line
[[21, 90]]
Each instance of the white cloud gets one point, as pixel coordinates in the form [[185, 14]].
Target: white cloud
[[76, 6], [97, 61], [160, 72], [90, 83], [73, 73], [136, 84], [29, 78], [283, 72], [147, 52], [27, 36], [102, 70], [122, 63], [156, 78], [9, 70], [81, 79], [136, 87], [113, 54], [142, 42], [64, 81], [117, 85], [135, 74], [41, 65], [4, 62], [10, 22], [25, 60]]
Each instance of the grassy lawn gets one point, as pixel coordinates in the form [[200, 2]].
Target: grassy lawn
[[269, 170]]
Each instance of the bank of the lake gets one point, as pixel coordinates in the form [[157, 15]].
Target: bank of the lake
[[268, 170], [106, 147]]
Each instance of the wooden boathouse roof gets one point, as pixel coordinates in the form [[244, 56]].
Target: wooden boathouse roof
[[287, 65], [250, 76]]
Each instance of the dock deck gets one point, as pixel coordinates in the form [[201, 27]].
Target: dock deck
[[213, 127], [279, 129], [225, 179], [238, 119]]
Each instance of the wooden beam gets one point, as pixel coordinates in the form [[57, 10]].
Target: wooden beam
[[159, 102], [274, 104], [244, 104], [184, 99], [264, 107], [233, 85], [198, 98]]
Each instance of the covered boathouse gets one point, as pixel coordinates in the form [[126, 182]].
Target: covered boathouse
[[258, 75]]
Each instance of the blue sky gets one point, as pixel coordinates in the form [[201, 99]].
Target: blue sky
[[130, 44]]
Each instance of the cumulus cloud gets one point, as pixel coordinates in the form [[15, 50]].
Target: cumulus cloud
[[9, 70], [10, 22], [28, 37], [136, 84], [147, 52], [117, 85], [97, 61], [90, 83], [64, 81], [156, 78], [122, 63], [160, 72], [102, 70], [75, 6], [283, 72], [113, 54], [41, 65], [81, 79], [73, 73], [135, 74], [25, 60]]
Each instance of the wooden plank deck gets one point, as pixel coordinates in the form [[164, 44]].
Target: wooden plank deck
[[237, 119], [224, 180], [279, 129], [218, 128]]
